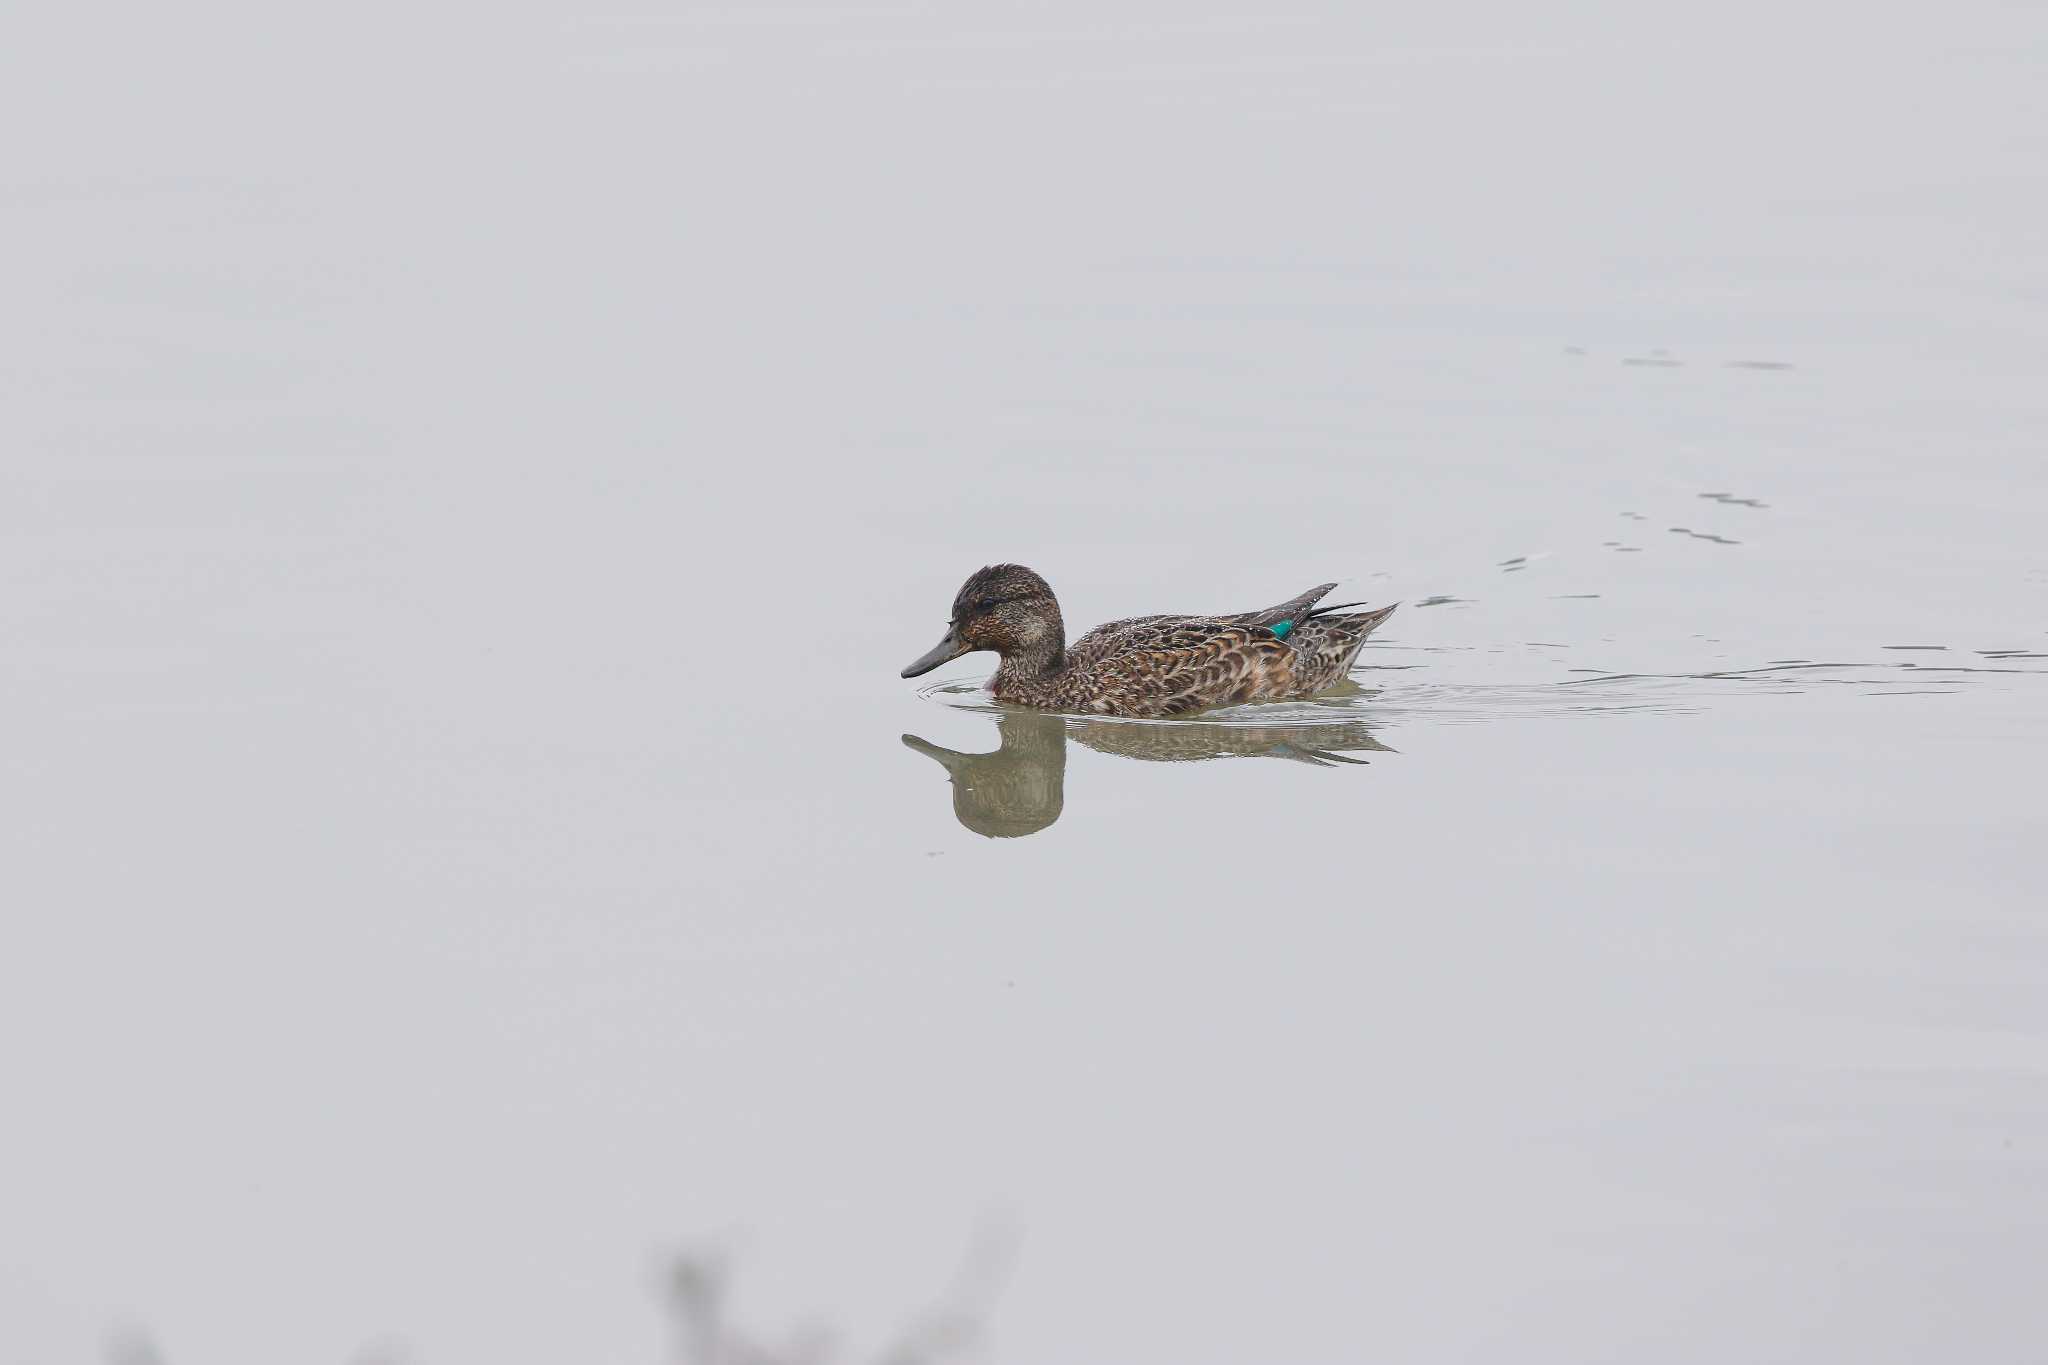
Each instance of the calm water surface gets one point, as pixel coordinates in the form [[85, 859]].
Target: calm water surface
[[469, 484]]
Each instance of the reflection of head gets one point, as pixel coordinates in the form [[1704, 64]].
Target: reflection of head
[[1016, 790]]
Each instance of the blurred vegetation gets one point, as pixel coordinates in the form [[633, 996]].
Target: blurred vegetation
[[695, 1291], [953, 1329]]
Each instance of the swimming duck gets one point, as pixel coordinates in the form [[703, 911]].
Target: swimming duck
[[1148, 665]]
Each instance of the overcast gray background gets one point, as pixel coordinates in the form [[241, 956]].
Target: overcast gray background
[[469, 475]]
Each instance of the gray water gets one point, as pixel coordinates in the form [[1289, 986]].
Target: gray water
[[470, 475]]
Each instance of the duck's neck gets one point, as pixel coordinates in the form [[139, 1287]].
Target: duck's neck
[[1034, 664]]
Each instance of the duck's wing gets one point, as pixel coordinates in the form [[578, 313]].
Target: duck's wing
[[1138, 632], [1172, 666], [1294, 609]]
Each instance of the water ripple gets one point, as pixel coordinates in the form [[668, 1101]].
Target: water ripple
[[1593, 692]]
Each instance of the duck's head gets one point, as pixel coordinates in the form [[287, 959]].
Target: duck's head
[[1006, 608]]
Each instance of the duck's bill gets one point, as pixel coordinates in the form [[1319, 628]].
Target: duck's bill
[[952, 647]]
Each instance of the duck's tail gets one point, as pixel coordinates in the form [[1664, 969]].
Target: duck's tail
[[1326, 645]]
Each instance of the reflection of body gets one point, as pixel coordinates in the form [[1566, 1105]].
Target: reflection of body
[[1020, 787], [1321, 745], [1148, 665]]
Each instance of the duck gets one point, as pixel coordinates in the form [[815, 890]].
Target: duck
[[1147, 666]]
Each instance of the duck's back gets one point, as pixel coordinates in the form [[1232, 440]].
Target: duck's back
[[1141, 632], [1177, 631]]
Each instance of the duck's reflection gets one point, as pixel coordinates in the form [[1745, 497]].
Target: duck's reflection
[[1020, 787]]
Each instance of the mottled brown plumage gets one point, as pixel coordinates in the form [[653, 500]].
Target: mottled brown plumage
[[1148, 665]]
